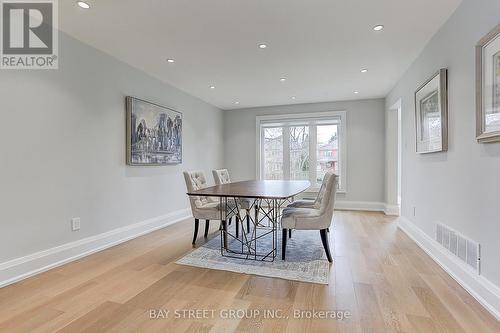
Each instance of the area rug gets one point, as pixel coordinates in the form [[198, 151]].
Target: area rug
[[305, 258]]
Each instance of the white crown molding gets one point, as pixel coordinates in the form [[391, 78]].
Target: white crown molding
[[483, 290], [24, 267]]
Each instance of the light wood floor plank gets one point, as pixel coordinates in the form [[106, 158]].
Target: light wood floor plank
[[369, 308], [423, 324], [442, 317], [463, 314]]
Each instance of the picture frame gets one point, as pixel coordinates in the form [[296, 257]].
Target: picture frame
[[153, 134], [431, 114], [488, 87]]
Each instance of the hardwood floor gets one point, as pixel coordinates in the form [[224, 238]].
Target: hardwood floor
[[378, 274]]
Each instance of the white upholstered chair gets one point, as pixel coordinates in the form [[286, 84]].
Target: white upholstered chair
[[312, 203], [316, 202], [204, 208], [221, 176], [312, 218]]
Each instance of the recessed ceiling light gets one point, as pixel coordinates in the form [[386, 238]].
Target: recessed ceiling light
[[262, 46], [283, 79], [378, 27], [212, 87], [293, 97], [364, 70], [83, 4], [170, 61], [356, 92], [236, 102]]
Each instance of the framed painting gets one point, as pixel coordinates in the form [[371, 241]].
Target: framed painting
[[431, 114], [154, 134], [488, 87]]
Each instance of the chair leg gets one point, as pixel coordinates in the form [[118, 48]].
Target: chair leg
[[248, 220], [237, 227], [230, 220], [283, 246], [256, 214], [324, 240], [196, 225], [289, 233], [207, 226], [328, 229], [224, 233]]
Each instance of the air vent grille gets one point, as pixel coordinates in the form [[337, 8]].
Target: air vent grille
[[463, 248]]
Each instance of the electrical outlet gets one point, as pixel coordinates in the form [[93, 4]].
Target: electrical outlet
[[75, 224]]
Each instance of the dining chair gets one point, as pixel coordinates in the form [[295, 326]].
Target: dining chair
[[310, 218], [221, 176], [316, 203], [203, 208]]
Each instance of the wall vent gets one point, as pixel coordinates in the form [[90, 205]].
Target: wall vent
[[463, 248]]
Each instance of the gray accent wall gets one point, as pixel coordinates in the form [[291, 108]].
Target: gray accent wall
[[62, 145], [459, 188], [365, 143]]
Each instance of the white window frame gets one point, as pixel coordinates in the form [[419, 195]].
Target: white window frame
[[287, 119]]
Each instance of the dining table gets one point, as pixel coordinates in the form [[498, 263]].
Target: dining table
[[267, 197]]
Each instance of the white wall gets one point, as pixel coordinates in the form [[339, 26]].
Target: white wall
[[62, 150], [392, 158], [365, 144], [460, 188]]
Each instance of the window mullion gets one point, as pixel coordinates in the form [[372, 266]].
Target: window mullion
[[286, 152]]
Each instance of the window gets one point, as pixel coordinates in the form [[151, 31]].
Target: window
[[327, 147], [299, 152], [273, 149], [302, 147]]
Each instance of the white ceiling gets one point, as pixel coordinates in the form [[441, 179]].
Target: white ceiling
[[318, 45]]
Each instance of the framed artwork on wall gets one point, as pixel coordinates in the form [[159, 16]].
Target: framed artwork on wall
[[431, 114], [154, 134], [488, 87]]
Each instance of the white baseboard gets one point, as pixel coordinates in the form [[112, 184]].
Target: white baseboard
[[24, 267], [392, 210], [360, 205], [483, 290]]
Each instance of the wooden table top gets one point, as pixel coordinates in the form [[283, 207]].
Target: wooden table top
[[259, 189]]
